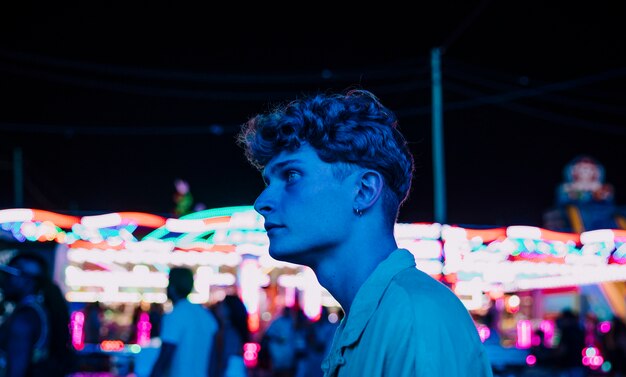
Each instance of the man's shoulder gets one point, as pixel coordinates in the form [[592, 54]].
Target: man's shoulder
[[423, 295]]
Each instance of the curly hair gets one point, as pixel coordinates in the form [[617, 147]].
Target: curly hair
[[353, 128]]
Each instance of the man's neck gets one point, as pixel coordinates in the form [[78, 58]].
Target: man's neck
[[344, 271]]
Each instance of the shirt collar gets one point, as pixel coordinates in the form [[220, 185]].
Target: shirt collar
[[368, 296]]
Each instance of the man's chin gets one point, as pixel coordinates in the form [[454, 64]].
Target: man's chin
[[283, 255]]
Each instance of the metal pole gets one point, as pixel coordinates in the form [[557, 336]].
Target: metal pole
[[437, 131]]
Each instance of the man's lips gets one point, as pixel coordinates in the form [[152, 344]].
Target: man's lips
[[270, 226]]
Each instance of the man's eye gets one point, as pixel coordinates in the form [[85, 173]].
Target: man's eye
[[290, 175]]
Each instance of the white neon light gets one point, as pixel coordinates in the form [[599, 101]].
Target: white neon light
[[470, 294], [211, 258], [311, 294], [523, 231], [192, 226], [452, 233], [16, 215], [422, 249], [250, 219], [150, 245], [600, 235], [249, 282], [252, 249], [76, 277], [156, 297], [431, 267], [101, 221], [417, 231], [106, 297], [198, 298]]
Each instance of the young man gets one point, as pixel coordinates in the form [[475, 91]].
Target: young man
[[337, 169], [187, 332]]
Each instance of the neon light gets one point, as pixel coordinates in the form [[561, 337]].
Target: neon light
[[77, 323], [111, 345], [62, 221], [101, 221], [604, 327], [15, 215], [522, 231], [484, 332], [249, 282], [142, 219], [254, 322], [311, 294], [143, 329], [524, 334], [251, 354]]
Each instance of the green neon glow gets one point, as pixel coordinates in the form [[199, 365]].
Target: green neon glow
[[216, 212], [207, 213]]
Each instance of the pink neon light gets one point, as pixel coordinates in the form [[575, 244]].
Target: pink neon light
[[484, 332], [524, 334], [77, 322], [251, 354], [143, 329], [605, 327]]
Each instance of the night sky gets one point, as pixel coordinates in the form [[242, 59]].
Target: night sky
[[110, 105]]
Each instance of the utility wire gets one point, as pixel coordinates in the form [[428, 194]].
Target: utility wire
[[572, 102], [393, 70], [473, 70], [213, 129], [481, 99], [467, 22], [543, 114]]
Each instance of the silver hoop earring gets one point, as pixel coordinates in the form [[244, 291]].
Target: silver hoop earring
[[358, 212]]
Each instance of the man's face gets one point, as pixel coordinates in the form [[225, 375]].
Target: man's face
[[307, 209]]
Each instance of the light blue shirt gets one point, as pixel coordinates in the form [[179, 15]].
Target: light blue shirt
[[404, 323], [191, 327]]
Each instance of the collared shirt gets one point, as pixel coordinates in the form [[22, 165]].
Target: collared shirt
[[403, 322]]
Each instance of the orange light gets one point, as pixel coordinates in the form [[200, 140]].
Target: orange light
[[142, 219], [217, 220], [487, 235], [62, 221], [550, 235], [253, 322], [112, 345]]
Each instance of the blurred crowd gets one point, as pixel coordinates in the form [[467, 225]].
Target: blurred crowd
[[35, 337]]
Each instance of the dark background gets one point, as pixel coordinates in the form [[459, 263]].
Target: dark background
[[110, 104]]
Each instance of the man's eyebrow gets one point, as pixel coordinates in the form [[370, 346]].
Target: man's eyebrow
[[277, 166]]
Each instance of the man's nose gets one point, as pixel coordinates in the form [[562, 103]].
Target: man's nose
[[262, 204]]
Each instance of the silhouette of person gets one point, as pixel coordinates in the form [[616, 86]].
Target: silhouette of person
[[337, 170], [187, 332], [233, 333], [35, 338], [571, 343]]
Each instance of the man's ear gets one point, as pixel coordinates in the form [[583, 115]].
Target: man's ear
[[369, 189]]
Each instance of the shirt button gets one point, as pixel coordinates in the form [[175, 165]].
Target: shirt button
[[341, 361]]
